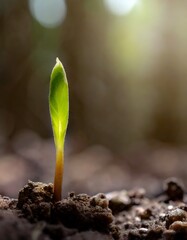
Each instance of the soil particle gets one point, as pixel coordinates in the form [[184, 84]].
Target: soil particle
[[118, 201], [123, 200], [124, 215], [175, 215], [7, 203], [35, 192], [35, 201], [179, 230], [145, 214], [174, 189], [152, 219], [84, 212], [178, 226]]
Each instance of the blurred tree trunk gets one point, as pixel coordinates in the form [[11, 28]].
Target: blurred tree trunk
[[15, 31]]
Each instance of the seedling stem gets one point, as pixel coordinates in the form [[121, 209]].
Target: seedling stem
[[59, 169]]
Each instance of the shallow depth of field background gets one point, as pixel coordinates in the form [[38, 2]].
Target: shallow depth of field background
[[126, 62]]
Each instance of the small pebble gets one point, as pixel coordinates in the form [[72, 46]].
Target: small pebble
[[71, 194], [178, 226], [118, 201], [143, 230], [175, 215], [99, 200], [170, 207], [146, 214]]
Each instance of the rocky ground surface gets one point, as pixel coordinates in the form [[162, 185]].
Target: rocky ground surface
[[127, 215]]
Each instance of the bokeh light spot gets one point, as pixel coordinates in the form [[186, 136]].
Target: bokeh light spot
[[120, 7], [49, 13]]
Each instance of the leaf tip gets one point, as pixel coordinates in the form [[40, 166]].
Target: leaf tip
[[58, 62], [59, 68]]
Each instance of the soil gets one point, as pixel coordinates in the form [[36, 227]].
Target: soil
[[127, 215]]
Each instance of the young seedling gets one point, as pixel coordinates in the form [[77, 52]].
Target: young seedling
[[59, 111]]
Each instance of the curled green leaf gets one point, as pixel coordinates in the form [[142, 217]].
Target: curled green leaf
[[59, 103]]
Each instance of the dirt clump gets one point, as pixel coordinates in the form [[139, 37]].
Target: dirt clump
[[124, 215], [84, 212], [81, 212]]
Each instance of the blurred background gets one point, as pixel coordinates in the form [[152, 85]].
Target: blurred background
[[126, 62]]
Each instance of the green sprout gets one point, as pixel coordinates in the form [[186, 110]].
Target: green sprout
[[59, 111]]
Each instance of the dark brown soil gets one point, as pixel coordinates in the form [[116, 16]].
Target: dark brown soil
[[127, 215]]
